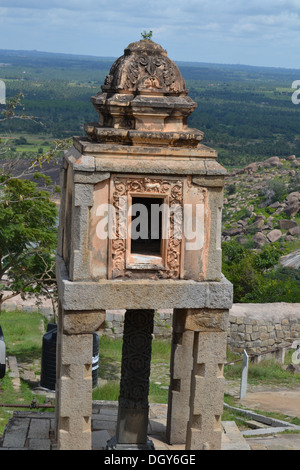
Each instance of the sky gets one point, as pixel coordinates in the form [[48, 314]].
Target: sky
[[250, 32]]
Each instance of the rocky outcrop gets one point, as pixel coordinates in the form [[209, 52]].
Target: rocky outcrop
[[261, 218]]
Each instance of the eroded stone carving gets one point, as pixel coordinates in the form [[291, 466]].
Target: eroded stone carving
[[136, 358], [144, 65]]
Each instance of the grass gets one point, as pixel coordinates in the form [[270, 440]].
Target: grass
[[23, 338], [267, 372], [22, 334], [110, 357]]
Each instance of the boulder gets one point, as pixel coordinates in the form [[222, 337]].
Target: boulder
[[241, 222], [274, 235], [294, 231], [292, 260], [275, 205], [286, 224], [241, 240], [231, 232], [259, 221], [272, 161], [294, 196], [292, 208], [259, 239]]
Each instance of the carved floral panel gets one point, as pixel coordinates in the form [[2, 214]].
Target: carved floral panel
[[170, 190]]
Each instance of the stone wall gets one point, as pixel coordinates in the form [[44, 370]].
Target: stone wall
[[254, 327], [114, 323], [262, 327]]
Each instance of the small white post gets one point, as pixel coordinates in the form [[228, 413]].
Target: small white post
[[245, 364]]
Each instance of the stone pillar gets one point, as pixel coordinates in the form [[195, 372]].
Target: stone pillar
[[200, 399], [133, 409], [74, 378], [179, 392]]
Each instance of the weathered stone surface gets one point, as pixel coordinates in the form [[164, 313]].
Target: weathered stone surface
[[204, 429], [119, 294], [83, 322], [203, 319], [287, 224], [292, 208], [274, 235], [277, 324], [291, 260], [259, 239], [295, 231], [273, 161], [232, 231], [179, 391]]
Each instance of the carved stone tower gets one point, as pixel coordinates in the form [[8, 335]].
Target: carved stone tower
[[140, 229]]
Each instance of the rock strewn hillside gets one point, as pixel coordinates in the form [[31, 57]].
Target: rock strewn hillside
[[262, 203]]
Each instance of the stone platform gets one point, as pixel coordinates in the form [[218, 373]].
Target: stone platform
[[33, 430]]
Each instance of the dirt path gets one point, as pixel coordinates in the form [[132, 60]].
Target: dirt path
[[286, 402]]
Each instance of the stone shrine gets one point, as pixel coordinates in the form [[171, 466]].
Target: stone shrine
[[140, 229]]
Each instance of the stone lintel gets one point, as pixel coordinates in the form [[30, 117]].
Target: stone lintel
[[141, 294]]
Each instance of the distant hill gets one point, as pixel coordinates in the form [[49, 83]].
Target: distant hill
[[246, 112], [21, 56]]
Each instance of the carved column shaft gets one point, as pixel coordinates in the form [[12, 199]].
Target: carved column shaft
[[134, 387]]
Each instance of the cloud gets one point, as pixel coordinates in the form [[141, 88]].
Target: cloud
[[208, 30]]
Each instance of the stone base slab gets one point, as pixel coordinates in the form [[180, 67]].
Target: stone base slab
[[141, 294]]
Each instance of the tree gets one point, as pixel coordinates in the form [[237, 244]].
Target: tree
[[146, 35], [251, 271], [28, 218], [27, 239]]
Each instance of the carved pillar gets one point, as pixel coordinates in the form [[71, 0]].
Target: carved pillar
[[207, 382], [180, 381], [134, 387], [74, 378], [197, 382]]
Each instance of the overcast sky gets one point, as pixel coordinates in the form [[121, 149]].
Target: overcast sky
[[252, 32]]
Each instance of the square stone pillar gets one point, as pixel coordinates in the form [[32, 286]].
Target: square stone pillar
[[74, 378], [180, 381], [197, 382]]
